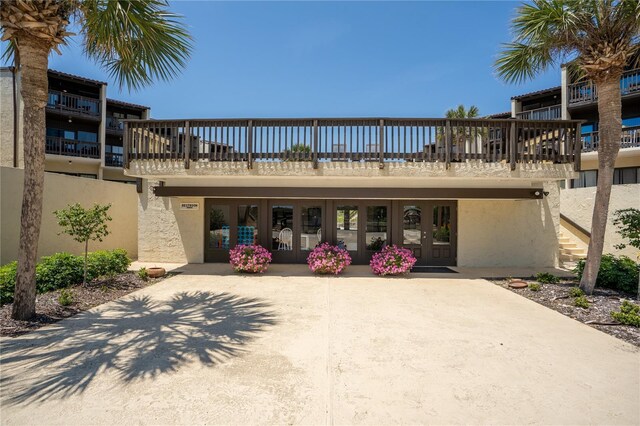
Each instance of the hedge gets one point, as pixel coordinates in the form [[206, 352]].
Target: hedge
[[64, 269]]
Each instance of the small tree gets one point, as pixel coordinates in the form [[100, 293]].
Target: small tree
[[84, 225], [628, 223]]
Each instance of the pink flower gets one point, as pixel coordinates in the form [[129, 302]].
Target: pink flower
[[328, 259], [392, 260], [249, 258]]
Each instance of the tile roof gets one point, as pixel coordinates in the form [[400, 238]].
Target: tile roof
[[126, 104], [76, 77]]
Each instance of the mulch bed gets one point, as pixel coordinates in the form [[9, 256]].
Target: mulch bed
[[49, 310], [598, 315]]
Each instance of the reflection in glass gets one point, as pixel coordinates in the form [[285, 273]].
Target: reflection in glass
[[247, 224], [412, 225], [219, 227], [441, 224], [376, 233], [347, 227], [282, 228], [311, 234]]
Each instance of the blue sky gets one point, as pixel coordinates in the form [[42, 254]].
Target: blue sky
[[331, 59]]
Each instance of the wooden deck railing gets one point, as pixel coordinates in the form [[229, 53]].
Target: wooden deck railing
[[69, 103], [547, 113], [381, 140], [630, 139], [586, 91], [72, 147]]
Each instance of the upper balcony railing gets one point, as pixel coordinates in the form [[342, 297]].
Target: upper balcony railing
[[74, 104], [72, 147], [114, 124], [547, 113], [352, 140], [113, 159], [630, 139], [585, 92]]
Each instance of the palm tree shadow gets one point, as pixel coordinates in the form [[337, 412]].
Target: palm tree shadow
[[139, 338]]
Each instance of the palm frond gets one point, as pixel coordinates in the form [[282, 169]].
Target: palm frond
[[519, 61], [136, 41]]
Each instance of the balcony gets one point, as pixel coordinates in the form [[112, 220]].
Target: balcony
[[72, 147], [547, 113], [586, 92], [349, 145], [630, 139], [76, 105], [113, 159], [114, 125]]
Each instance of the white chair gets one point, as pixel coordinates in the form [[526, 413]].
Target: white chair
[[285, 239], [319, 235]]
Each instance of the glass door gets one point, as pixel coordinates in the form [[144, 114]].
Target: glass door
[[442, 239], [218, 222], [346, 225], [281, 219], [412, 236]]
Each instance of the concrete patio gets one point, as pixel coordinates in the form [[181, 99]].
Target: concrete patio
[[210, 347]]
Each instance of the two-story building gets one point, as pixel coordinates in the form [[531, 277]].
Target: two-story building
[[473, 192], [577, 100], [84, 128]]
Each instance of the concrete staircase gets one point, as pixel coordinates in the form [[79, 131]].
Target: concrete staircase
[[570, 253]]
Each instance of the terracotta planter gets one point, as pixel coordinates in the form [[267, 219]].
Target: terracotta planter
[[518, 284], [156, 272]]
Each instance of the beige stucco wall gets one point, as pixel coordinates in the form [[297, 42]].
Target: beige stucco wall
[[577, 205], [166, 233], [627, 157], [60, 191], [7, 120], [490, 232], [522, 233]]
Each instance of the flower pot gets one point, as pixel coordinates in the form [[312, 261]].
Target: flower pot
[[156, 272]]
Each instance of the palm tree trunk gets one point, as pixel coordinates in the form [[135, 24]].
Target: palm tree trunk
[[34, 86], [610, 131]]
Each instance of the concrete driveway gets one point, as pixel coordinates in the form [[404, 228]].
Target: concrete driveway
[[289, 348]]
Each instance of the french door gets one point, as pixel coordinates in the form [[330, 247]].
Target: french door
[[429, 230], [229, 223], [295, 228]]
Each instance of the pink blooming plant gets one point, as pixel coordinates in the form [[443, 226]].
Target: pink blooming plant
[[328, 259], [392, 260], [249, 258]]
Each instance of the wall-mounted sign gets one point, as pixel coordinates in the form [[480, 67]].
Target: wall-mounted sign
[[189, 206]]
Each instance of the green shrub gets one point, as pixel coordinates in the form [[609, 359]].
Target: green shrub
[[535, 287], [58, 271], [7, 282], [546, 278], [107, 263], [581, 302], [629, 314], [143, 274], [620, 273], [575, 292], [62, 270], [66, 297]]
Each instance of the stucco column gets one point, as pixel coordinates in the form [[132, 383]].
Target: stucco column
[[564, 93], [102, 133], [516, 107]]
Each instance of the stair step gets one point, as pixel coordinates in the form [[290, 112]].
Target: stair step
[[568, 245], [570, 258], [572, 250]]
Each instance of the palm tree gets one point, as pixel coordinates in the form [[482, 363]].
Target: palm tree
[[599, 38], [462, 135], [137, 42]]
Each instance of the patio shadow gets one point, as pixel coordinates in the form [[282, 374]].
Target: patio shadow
[[135, 339]]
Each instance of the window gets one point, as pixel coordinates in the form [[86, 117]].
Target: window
[[219, 227], [626, 175], [87, 136], [311, 222], [247, 224], [282, 228], [347, 227], [376, 232], [587, 178], [631, 122]]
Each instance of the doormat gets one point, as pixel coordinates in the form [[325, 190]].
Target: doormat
[[433, 270]]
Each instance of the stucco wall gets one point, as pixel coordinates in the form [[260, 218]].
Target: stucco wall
[[166, 233], [60, 191], [577, 205], [509, 232], [7, 118]]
